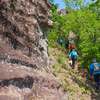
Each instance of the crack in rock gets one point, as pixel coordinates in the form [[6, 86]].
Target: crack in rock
[[19, 82]]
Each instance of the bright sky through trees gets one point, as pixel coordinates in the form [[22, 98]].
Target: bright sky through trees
[[62, 4]]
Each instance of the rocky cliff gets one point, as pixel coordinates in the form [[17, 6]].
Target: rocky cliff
[[24, 60]]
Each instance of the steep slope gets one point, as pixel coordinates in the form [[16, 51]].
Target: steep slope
[[77, 84]]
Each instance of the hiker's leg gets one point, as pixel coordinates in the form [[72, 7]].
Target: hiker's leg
[[96, 78], [66, 46], [73, 63], [61, 44], [99, 79]]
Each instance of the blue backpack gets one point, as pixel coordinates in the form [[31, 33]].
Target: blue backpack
[[67, 42], [61, 41], [73, 54]]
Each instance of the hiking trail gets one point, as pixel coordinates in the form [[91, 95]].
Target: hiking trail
[[81, 77]]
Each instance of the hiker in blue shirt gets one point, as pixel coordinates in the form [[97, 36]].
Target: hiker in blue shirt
[[67, 44], [60, 42], [95, 69], [73, 55]]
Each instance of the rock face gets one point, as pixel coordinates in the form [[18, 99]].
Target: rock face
[[24, 60], [21, 83], [24, 26], [72, 37], [62, 12]]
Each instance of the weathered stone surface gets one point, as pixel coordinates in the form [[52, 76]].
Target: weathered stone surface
[[23, 27], [62, 12], [24, 83], [24, 60]]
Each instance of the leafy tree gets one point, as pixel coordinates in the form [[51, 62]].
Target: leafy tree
[[85, 23], [74, 4], [59, 29], [54, 6]]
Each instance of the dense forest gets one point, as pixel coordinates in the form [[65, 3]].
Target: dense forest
[[84, 21]]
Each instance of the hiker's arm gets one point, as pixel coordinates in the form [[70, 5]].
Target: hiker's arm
[[91, 70], [69, 56], [76, 55]]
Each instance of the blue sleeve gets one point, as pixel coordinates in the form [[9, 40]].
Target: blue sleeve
[[76, 55], [92, 66], [91, 70]]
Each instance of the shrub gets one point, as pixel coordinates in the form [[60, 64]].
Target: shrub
[[59, 70], [51, 53], [55, 65], [61, 59]]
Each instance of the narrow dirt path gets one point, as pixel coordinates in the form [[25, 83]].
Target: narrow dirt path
[[95, 95], [90, 81]]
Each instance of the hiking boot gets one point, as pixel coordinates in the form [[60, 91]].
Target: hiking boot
[[97, 90]]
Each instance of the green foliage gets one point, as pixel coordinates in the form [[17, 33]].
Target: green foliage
[[59, 70], [62, 81], [61, 59], [48, 72], [69, 97], [60, 28], [51, 53], [66, 79], [55, 72], [55, 65], [83, 90], [95, 4], [85, 23], [73, 3], [63, 65]]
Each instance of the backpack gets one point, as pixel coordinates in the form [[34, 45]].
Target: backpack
[[72, 47], [73, 54], [96, 67], [67, 42], [61, 41]]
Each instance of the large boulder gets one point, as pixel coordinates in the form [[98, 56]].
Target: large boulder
[[62, 11], [24, 60]]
